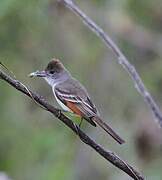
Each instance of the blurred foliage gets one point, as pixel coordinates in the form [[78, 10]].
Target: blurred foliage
[[33, 144]]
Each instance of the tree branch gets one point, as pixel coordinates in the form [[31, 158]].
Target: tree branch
[[139, 85], [108, 155]]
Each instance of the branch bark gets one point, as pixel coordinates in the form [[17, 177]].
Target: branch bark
[[108, 155], [122, 60]]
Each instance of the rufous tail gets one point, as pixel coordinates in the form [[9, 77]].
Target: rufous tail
[[108, 129]]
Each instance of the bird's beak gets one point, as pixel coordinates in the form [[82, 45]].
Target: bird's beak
[[38, 74]]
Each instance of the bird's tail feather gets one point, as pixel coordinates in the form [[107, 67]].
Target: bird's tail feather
[[108, 129]]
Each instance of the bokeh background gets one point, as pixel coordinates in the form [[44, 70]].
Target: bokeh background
[[36, 146]]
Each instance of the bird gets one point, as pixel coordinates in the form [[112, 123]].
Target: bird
[[72, 96]]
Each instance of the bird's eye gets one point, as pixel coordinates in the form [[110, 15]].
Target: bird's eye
[[52, 72]]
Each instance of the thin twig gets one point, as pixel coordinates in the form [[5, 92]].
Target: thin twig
[[7, 69], [139, 85], [108, 155], [13, 75]]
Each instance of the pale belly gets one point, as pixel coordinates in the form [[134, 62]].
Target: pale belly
[[65, 108]]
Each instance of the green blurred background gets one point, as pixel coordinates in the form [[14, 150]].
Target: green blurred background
[[36, 146]]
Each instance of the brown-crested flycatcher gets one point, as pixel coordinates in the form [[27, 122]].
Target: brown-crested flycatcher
[[72, 96]]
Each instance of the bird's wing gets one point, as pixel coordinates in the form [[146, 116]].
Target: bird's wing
[[68, 92]]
